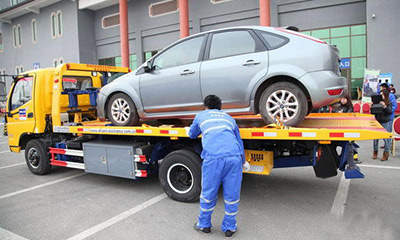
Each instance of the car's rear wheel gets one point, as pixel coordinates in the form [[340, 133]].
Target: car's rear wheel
[[121, 110], [284, 100]]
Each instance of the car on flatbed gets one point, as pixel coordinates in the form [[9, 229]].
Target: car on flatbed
[[272, 71]]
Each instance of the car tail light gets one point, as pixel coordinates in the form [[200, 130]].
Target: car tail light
[[334, 92], [300, 35]]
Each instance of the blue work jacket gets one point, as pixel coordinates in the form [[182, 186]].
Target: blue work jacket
[[220, 134]]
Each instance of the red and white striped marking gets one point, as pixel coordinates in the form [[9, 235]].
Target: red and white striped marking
[[169, 132], [264, 134], [67, 164], [344, 135], [303, 134], [140, 173], [140, 158], [70, 152]]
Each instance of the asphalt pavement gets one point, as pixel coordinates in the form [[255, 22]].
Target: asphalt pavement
[[288, 204]]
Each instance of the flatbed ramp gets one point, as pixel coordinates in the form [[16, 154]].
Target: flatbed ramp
[[318, 126]]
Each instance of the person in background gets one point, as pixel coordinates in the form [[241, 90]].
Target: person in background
[[345, 105], [393, 101], [392, 89], [384, 119]]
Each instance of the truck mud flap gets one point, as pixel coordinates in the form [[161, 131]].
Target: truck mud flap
[[325, 161]]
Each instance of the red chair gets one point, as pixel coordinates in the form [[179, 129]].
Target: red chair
[[396, 134], [397, 111], [357, 107], [366, 108]]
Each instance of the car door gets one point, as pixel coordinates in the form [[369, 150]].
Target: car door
[[235, 60], [174, 83], [20, 117]]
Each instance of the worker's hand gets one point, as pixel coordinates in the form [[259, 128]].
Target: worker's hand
[[246, 166], [187, 129]]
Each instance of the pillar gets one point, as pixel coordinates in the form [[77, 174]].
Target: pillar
[[265, 19], [123, 20], [184, 18]]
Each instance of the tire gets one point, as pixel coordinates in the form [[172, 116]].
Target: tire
[[293, 109], [37, 158], [180, 175], [121, 111]]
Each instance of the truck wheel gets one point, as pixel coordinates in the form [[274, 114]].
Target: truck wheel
[[285, 100], [180, 175], [36, 157], [121, 110]]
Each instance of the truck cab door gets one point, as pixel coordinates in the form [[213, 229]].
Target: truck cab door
[[20, 110]]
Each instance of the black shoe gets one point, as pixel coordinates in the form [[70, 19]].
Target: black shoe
[[205, 231], [229, 234]]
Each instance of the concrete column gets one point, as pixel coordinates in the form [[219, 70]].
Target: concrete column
[[184, 18], [265, 18], [123, 19]]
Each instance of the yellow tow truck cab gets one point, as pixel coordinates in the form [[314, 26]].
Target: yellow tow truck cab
[[51, 114]]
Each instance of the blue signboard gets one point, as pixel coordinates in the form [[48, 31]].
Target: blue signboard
[[345, 63], [36, 65]]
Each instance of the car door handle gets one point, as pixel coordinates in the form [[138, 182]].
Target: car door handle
[[187, 72], [250, 63]]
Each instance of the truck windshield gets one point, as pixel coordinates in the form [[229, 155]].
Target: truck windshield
[[22, 92]]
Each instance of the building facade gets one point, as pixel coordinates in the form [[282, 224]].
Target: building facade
[[44, 33]]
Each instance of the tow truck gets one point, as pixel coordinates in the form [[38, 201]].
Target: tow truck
[[51, 114]]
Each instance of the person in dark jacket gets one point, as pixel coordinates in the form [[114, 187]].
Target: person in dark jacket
[[345, 106], [384, 119]]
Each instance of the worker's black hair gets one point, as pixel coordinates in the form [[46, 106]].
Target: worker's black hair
[[212, 102], [385, 86]]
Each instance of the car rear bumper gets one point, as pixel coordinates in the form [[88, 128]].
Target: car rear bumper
[[319, 83]]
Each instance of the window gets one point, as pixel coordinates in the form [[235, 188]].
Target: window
[[56, 24], [107, 61], [110, 21], [17, 37], [19, 69], [59, 24], [132, 61], [3, 78], [183, 53], [273, 41], [55, 62], [231, 43], [22, 92], [53, 21], [148, 55], [77, 83], [34, 31], [219, 1], [1, 41], [163, 8]]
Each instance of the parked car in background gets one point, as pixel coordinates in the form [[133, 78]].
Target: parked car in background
[[272, 71]]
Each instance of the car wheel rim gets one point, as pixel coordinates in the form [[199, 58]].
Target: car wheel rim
[[282, 103], [180, 178], [33, 158], [120, 110]]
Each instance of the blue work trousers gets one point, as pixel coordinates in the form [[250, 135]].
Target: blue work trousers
[[388, 141], [228, 172]]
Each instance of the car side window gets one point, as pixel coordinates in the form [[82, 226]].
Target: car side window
[[183, 53], [232, 43], [22, 92], [274, 41]]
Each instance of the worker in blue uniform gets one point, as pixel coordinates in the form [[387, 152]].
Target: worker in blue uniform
[[223, 163]]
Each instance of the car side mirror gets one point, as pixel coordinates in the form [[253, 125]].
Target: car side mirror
[[148, 68]]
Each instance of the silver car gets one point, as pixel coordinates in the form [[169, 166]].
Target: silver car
[[272, 71]]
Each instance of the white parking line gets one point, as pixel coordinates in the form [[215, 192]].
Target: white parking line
[[40, 186], [3, 142], [11, 166], [4, 234], [118, 218], [340, 199], [5, 151], [377, 166]]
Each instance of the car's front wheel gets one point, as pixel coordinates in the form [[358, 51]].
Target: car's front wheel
[[121, 110], [284, 100]]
